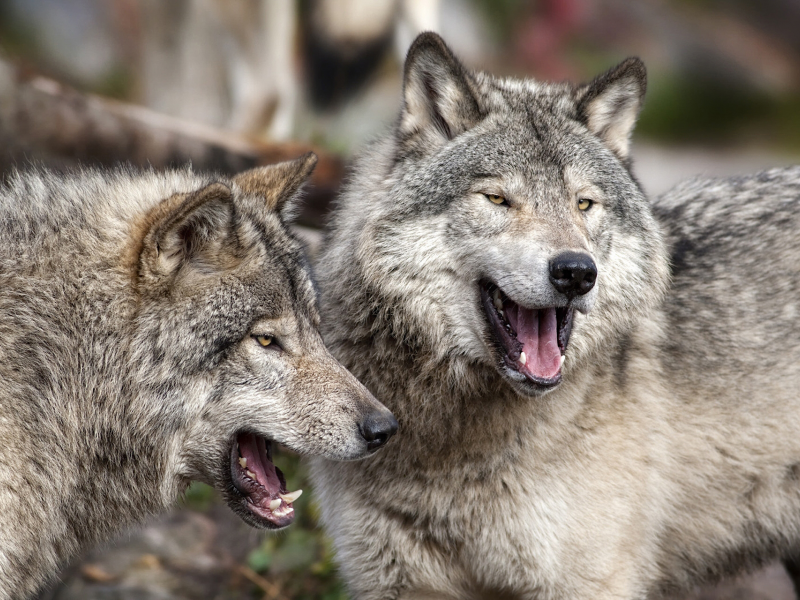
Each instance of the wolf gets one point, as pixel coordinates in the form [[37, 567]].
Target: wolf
[[157, 328], [597, 394]]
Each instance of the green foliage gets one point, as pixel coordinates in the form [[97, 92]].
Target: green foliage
[[22, 41], [298, 560], [118, 83], [694, 110], [502, 14], [17, 38], [301, 558], [199, 497]]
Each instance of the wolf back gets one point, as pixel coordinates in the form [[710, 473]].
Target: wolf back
[[579, 420], [156, 328]]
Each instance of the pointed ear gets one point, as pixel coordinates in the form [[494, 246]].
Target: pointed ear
[[609, 105], [438, 96], [185, 227], [278, 184]]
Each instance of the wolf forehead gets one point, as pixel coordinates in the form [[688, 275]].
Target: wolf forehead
[[513, 147], [524, 129]]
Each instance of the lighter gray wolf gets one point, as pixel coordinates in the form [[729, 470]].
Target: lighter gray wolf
[[598, 398], [157, 328]]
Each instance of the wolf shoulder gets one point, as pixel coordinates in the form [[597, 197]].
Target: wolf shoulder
[[740, 211], [723, 229], [735, 279], [87, 210]]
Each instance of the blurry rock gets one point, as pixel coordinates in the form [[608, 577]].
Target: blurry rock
[[182, 556]]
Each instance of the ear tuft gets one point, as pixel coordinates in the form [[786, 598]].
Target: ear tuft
[[610, 104], [437, 91], [278, 184], [186, 226]]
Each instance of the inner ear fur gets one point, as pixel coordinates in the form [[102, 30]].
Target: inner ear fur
[[610, 104], [182, 227], [278, 184], [437, 91]]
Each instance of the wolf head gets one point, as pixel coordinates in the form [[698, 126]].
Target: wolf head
[[500, 222], [225, 302]]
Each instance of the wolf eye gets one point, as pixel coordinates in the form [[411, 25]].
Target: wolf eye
[[264, 340], [585, 203], [496, 199]]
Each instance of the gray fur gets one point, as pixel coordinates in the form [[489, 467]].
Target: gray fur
[[670, 450], [128, 302]]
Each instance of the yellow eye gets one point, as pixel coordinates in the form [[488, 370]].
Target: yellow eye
[[264, 340], [585, 204], [495, 198]]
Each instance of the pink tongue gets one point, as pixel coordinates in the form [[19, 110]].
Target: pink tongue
[[254, 449], [537, 332]]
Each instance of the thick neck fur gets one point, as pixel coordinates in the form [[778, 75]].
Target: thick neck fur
[[77, 451], [448, 404]]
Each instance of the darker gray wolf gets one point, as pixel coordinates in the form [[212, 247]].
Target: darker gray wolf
[[157, 329], [598, 396]]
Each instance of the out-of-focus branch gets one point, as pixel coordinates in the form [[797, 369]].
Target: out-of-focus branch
[[46, 123]]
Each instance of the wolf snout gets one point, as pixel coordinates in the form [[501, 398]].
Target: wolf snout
[[377, 427], [573, 273]]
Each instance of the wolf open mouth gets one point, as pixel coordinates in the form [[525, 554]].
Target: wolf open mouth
[[533, 341], [259, 484]]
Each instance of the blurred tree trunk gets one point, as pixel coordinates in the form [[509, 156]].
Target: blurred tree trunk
[[44, 123]]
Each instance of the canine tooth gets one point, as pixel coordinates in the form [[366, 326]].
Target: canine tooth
[[289, 498], [522, 358], [251, 475], [563, 356], [496, 295], [498, 304], [243, 462], [275, 504]]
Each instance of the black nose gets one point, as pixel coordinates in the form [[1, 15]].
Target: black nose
[[573, 273], [377, 428]]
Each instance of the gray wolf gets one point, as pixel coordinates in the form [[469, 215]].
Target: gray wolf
[[597, 397], [157, 329]]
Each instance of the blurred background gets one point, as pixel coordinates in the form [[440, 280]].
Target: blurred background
[[724, 75], [229, 84]]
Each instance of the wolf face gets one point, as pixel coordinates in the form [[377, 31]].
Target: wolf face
[[503, 202], [157, 329], [219, 266]]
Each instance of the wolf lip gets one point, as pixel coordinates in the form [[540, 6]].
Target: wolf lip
[[259, 486], [533, 342]]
